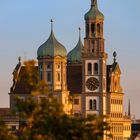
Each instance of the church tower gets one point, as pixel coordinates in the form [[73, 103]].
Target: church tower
[[52, 61], [94, 63]]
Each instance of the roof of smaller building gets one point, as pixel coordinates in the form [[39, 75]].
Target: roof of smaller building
[[19, 85]]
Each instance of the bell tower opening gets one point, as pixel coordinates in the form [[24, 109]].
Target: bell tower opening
[[93, 29]]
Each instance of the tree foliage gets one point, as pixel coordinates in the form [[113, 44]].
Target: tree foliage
[[5, 133]]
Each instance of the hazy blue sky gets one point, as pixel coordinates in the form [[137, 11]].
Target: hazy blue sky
[[24, 26]]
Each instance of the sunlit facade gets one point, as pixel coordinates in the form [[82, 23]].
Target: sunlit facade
[[82, 80]]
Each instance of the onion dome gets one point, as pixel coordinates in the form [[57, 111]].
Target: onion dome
[[51, 47], [74, 55], [94, 12]]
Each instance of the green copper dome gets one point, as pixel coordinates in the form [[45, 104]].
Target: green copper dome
[[94, 13], [75, 54], [51, 48]]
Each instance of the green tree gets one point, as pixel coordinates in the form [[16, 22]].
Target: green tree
[[5, 133], [42, 116]]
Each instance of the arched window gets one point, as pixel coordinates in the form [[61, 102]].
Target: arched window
[[98, 28], [87, 30], [94, 105], [41, 72], [89, 68], [90, 104], [58, 76], [93, 29], [48, 76], [48, 66], [95, 68]]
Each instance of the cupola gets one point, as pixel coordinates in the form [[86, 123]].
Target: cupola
[[94, 13], [51, 47], [74, 56]]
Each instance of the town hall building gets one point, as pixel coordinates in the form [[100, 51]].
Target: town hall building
[[83, 74]]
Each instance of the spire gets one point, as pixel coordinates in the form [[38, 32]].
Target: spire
[[129, 109], [79, 33], [94, 3], [51, 25], [114, 55]]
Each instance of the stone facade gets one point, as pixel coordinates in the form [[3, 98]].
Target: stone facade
[[93, 85]]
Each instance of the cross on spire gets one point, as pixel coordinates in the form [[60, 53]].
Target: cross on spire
[[51, 24]]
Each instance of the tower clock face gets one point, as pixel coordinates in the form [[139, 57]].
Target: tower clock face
[[92, 83]]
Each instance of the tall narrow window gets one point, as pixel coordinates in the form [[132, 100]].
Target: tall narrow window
[[98, 28], [89, 68], [96, 68], [90, 104], [58, 76], [94, 105], [49, 76], [87, 30], [93, 29], [41, 72]]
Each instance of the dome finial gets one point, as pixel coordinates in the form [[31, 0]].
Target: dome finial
[[114, 55], [94, 3], [19, 59], [51, 24]]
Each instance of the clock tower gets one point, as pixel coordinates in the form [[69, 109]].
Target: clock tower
[[94, 63]]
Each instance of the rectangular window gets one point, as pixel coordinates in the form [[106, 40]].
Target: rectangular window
[[49, 76], [41, 72], [76, 101], [58, 76]]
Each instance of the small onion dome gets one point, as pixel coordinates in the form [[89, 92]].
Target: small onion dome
[[74, 55], [94, 13], [51, 48]]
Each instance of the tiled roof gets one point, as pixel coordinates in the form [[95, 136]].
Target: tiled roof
[[74, 78], [21, 87]]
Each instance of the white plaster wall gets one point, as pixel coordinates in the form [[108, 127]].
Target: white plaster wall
[[87, 104]]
